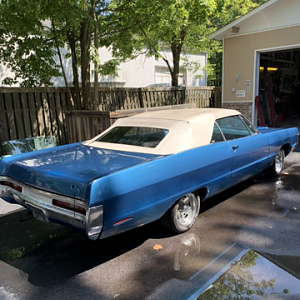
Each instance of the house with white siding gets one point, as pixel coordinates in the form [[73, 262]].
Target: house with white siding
[[139, 72]]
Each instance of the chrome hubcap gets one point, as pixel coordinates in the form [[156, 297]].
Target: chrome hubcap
[[279, 162], [186, 210]]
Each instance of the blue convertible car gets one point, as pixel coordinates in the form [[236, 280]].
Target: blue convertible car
[[156, 165]]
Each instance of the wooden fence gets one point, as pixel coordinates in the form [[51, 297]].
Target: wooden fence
[[33, 112], [112, 99], [85, 124], [42, 111]]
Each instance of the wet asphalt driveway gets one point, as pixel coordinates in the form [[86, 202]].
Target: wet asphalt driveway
[[46, 261]]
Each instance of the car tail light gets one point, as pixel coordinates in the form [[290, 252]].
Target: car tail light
[[12, 185], [69, 206]]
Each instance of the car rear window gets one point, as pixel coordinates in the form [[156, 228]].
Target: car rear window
[[135, 136]]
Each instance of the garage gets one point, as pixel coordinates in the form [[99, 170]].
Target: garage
[[261, 63], [279, 87]]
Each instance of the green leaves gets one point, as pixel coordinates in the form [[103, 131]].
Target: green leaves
[[226, 11], [25, 47], [176, 25], [109, 68], [33, 31]]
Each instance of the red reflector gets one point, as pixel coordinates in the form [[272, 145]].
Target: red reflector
[[123, 221], [12, 185], [69, 206]]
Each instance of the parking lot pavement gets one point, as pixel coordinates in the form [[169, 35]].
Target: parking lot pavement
[[6, 208], [41, 260]]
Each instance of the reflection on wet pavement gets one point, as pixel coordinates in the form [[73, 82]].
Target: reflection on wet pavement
[[276, 232], [189, 243], [253, 277]]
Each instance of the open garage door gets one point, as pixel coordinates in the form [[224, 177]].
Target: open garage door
[[279, 87]]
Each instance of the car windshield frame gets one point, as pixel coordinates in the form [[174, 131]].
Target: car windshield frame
[[250, 130]]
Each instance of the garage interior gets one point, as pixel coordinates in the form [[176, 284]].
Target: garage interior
[[278, 104]]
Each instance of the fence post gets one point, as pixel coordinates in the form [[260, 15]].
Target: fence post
[[1, 148], [1, 144], [185, 96], [141, 100], [212, 99], [217, 97]]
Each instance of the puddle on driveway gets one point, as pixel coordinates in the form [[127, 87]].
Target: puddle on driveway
[[286, 198], [254, 277]]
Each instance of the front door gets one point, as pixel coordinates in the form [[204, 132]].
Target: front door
[[250, 148]]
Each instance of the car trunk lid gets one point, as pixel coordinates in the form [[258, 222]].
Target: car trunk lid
[[65, 170]]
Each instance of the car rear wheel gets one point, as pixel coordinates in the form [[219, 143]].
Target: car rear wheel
[[183, 214], [278, 164]]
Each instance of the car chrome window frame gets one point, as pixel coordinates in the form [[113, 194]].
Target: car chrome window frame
[[242, 137], [224, 139], [249, 125]]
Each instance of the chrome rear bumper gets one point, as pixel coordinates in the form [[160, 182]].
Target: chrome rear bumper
[[41, 205]]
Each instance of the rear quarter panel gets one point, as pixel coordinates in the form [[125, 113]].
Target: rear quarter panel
[[145, 192], [278, 138]]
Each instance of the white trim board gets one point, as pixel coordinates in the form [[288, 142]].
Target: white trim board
[[255, 85], [239, 101], [278, 48], [243, 18], [222, 97], [260, 31]]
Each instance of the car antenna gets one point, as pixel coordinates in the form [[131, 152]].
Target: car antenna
[[74, 188]]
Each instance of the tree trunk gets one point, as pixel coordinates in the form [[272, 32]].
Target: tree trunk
[[72, 44], [96, 66], [176, 50], [85, 43], [60, 58]]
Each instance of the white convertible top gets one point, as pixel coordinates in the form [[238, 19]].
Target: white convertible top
[[188, 115], [188, 128]]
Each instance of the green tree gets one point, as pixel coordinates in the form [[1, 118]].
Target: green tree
[[239, 282], [23, 48], [226, 11], [33, 32], [179, 26]]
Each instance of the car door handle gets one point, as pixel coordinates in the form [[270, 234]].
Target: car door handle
[[235, 147]]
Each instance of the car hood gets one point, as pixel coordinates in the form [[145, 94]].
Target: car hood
[[67, 169]]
